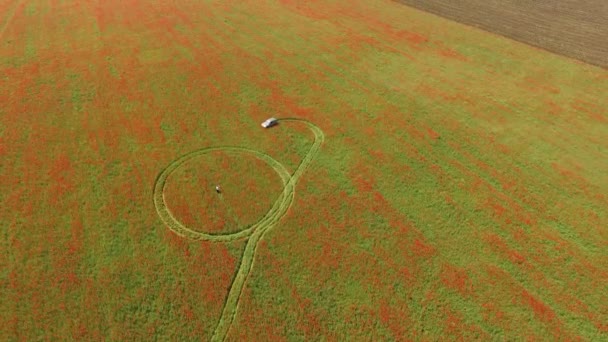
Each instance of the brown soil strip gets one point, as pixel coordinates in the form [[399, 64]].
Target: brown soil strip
[[573, 28]]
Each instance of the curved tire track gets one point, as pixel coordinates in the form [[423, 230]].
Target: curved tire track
[[255, 232]]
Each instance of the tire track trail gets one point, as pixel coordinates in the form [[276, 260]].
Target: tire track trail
[[255, 232]]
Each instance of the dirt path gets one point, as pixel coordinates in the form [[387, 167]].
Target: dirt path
[[254, 233], [573, 28]]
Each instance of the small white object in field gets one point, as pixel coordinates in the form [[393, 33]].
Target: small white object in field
[[269, 122]]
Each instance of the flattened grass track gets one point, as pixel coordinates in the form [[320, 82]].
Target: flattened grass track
[[255, 232]]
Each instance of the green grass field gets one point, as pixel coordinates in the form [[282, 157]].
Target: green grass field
[[442, 183]]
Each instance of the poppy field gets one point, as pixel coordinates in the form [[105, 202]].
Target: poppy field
[[426, 181]]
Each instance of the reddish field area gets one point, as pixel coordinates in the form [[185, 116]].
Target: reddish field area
[[460, 191]]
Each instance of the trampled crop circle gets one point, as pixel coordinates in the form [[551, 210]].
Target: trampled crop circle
[[247, 188], [199, 233], [253, 233]]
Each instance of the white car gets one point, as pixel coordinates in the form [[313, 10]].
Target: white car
[[270, 122]]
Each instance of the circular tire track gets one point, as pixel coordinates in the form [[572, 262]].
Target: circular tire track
[[255, 232]]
